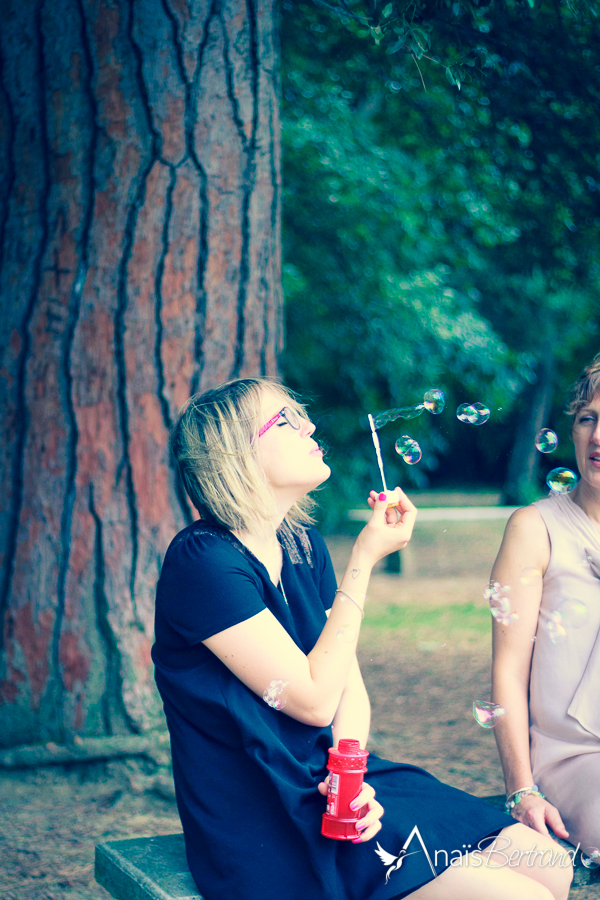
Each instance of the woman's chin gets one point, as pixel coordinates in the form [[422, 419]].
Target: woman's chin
[[327, 473]]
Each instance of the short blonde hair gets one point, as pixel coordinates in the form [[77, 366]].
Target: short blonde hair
[[586, 386], [215, 445]]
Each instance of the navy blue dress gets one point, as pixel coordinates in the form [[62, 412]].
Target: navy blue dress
[[246, 774]]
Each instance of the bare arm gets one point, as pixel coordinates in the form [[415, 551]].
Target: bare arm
[[525, 546], [353, 715], [259, 650]]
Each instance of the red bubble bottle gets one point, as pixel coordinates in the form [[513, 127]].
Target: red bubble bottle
[[347, 766]]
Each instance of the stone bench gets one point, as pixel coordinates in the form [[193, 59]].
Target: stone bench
[[155, 868]]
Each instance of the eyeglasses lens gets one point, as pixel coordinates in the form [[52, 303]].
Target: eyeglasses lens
[[291, 417]]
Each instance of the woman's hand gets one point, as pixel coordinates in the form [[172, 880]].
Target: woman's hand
[[369, 825], [389, 528], [537, 813]]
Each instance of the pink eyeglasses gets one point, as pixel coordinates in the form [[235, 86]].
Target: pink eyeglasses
[[289, 415]]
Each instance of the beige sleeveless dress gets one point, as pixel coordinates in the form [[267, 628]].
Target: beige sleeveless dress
[[564, 696]]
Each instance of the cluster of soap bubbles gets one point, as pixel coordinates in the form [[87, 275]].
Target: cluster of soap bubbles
[[559, 480], [487, 714], [434, 402], [590, 858], [570, 613], [275, 695], [408, 449], [473, 413], [496, 595]]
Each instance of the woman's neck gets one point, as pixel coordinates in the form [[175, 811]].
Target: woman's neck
[[588, 499]]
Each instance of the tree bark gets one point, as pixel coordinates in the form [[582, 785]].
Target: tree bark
[[139, 262]]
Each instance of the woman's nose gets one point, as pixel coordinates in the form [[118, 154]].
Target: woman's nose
[[307, 428]]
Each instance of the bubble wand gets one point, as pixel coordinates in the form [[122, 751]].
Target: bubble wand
[[406, 447], [377, 446]]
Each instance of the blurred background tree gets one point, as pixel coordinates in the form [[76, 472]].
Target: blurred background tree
[[441, 228]]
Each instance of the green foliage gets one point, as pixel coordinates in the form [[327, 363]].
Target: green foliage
[[435, 237]]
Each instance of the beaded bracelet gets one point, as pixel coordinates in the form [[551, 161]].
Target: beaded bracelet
[[357, 605], [518, 796], [530, 787]]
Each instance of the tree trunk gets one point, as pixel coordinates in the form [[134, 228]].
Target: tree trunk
[[140, 262], [520, 487]]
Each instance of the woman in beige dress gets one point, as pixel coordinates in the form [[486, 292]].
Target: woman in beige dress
[[546, 669]]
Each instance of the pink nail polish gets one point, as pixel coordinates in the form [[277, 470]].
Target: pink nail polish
[[383, 496]]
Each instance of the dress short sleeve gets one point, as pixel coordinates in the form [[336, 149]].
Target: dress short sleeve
[[206, 585]]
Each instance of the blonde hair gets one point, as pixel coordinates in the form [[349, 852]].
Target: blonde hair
[[215, 445], [586, 386]]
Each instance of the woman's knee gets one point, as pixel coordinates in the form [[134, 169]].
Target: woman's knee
[[538, 857], [473, 882]]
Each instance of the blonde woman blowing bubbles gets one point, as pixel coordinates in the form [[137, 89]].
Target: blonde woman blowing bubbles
[[256, 663]]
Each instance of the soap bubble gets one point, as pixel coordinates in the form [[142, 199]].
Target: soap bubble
[[561, 481], [530, 575], [404, 412], [573, 613], [503, 614], [347, 634], [408, 449], [434, 401], [473, 413], [499, 603], [495, 589], [590, 858], [275, 695], [487, 714], [546, 441], [556, 628]]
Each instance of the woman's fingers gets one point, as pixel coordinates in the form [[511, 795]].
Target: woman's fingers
[[537, 813], [367, 833], [555, 822], [323, 786], [533, 818], [370, 824], [367, 793]]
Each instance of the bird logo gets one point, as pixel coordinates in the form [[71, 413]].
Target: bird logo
[[394, 862]]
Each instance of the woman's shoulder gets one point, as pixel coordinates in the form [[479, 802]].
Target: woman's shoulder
[[526, 528], [526, 518], [202, 541]]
